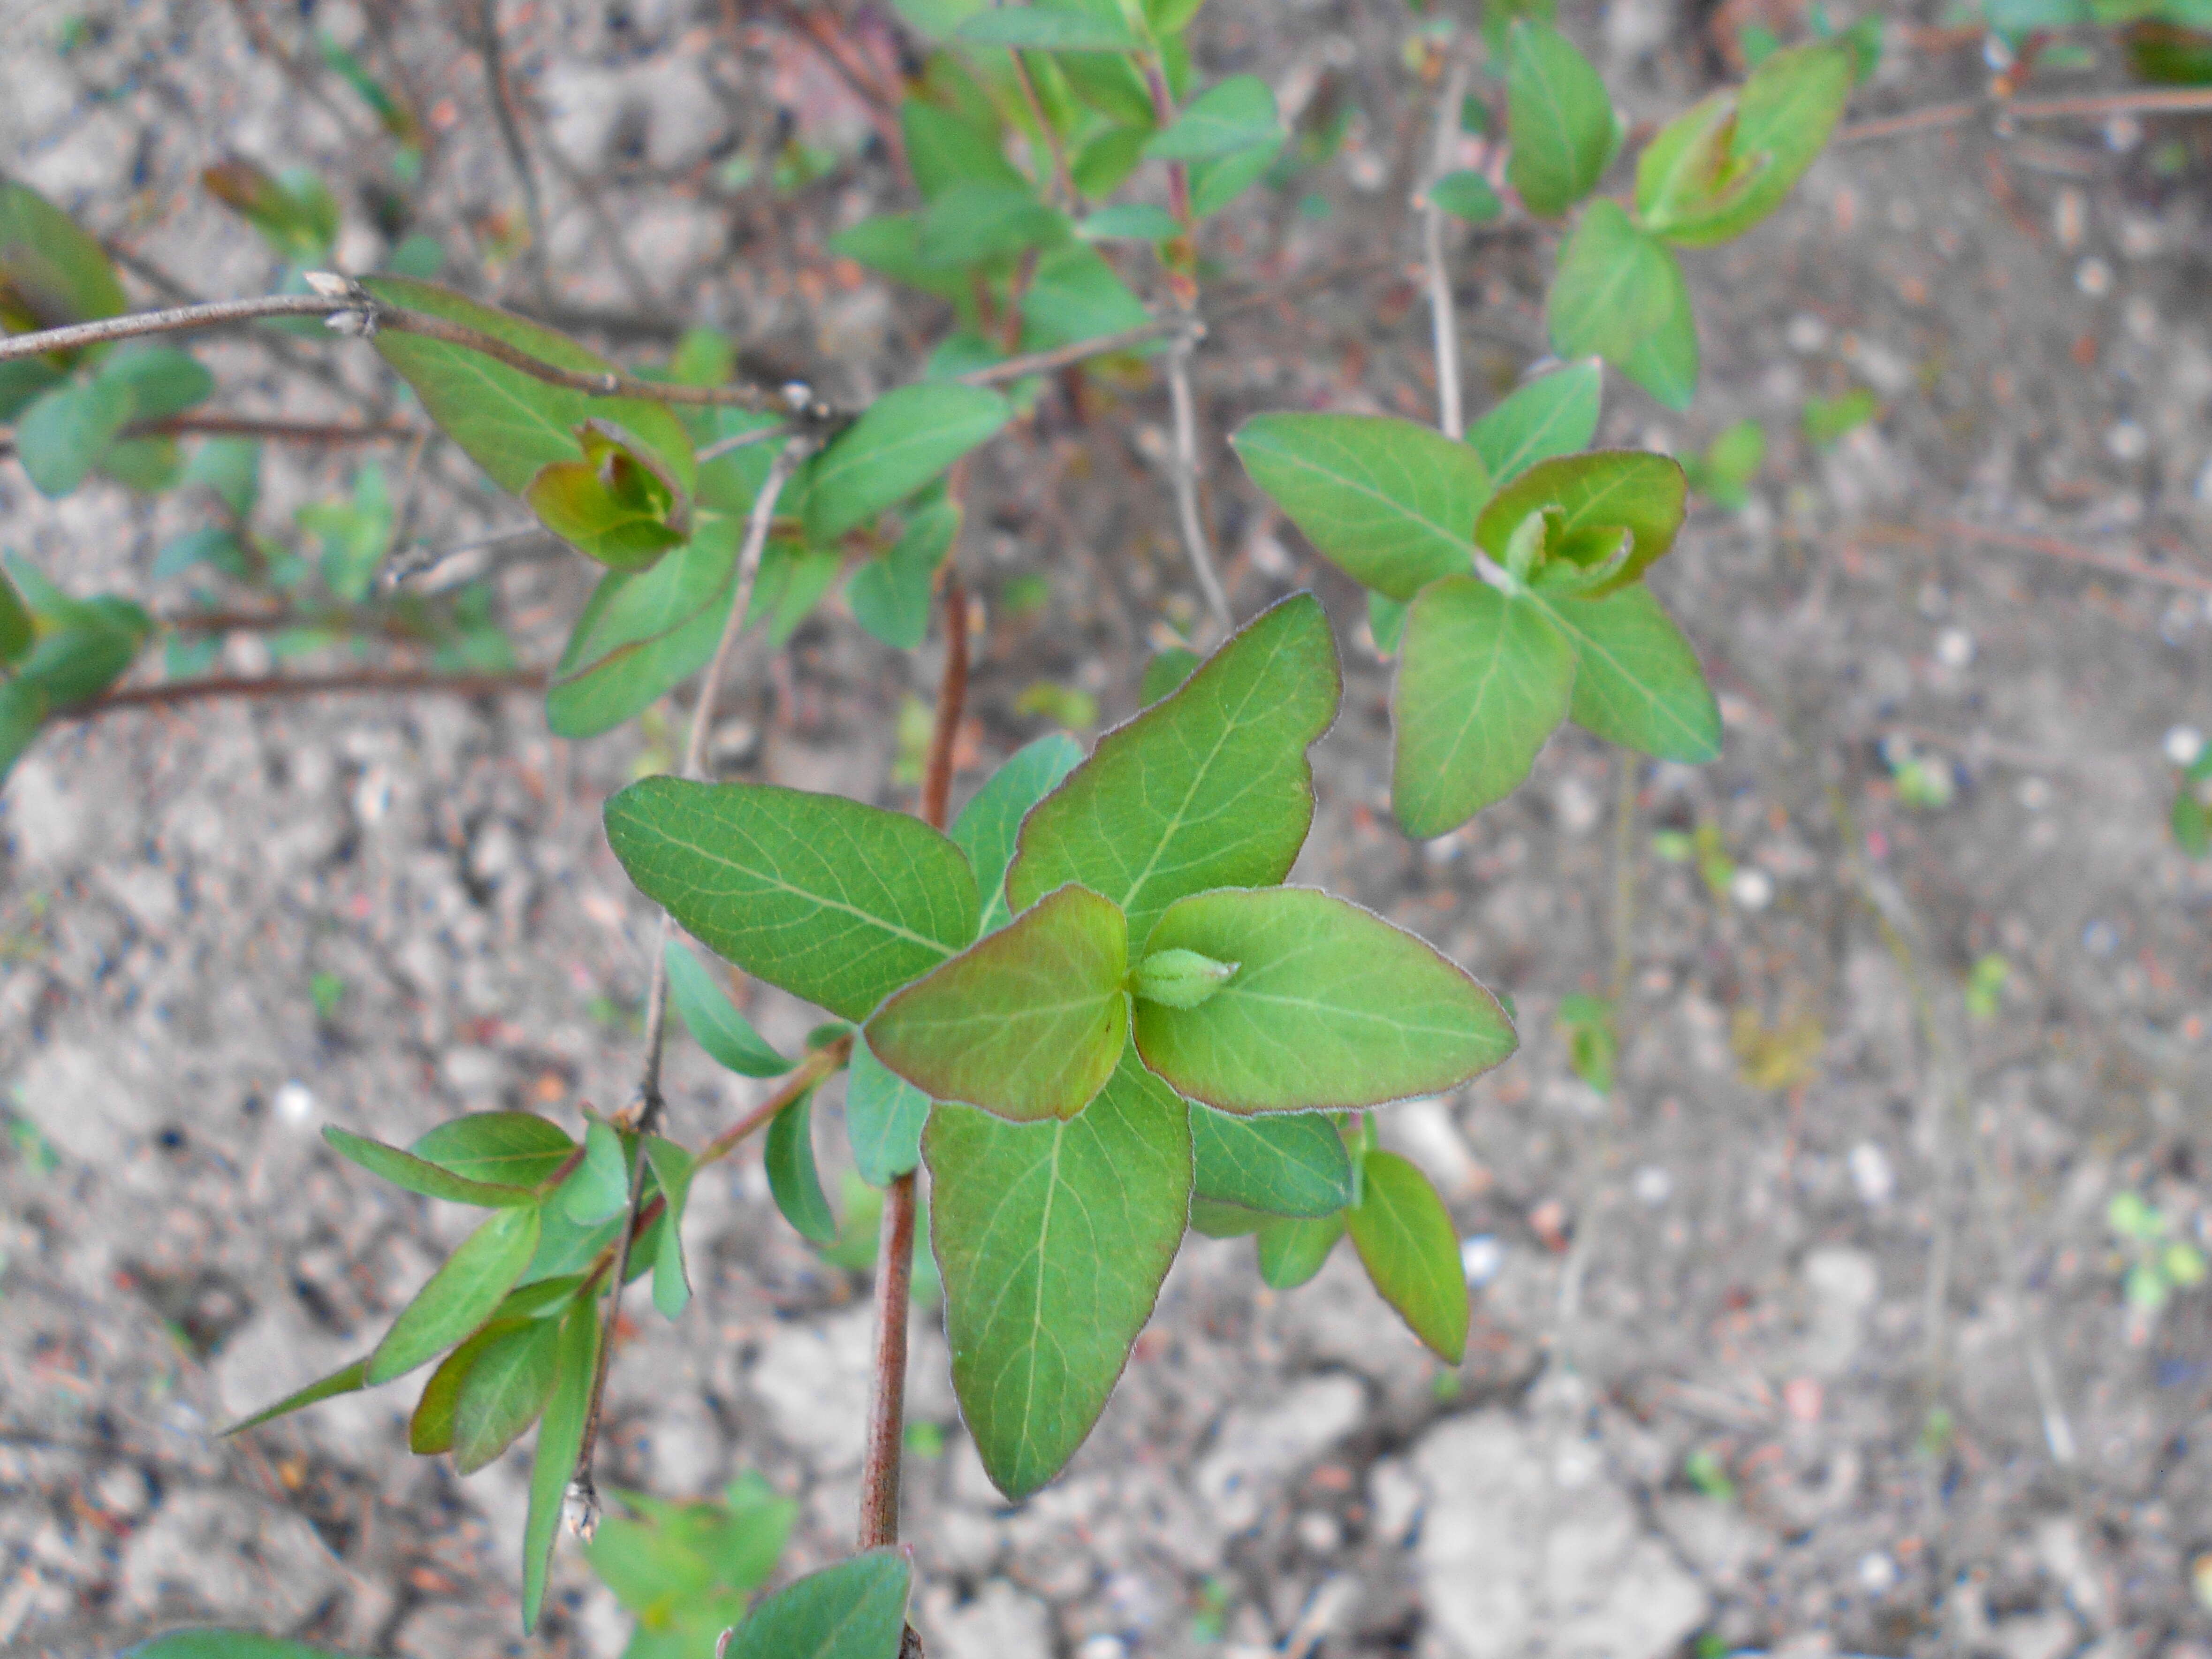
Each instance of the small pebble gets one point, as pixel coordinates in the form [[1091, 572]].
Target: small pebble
[[2101, 938], [1806, 333], [2183, 744], [1752, 889], [2127, 441], [2093, 277], [1804, 1399], [1103, 1646], [295, 1103], [1872, 1177], [2122, 134], [1653, 1186], [1320, 1533], [1877, 1572], [1482, 1256], [2033, 794], [1954, 648]]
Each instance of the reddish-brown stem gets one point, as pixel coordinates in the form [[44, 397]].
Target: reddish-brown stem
[[2161, 100], [879, 1475], [305, 686], [810, 1071]]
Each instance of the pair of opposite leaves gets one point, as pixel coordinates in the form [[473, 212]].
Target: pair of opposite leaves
[[1166, 844]]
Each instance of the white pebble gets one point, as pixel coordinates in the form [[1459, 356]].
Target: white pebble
[[1871, 1175], [2183, 744], [2093, 277], [1653, 1186], [1752, 889], [295, 1103], [1806, 332], [1954, 648], [1877, 1572], [1103, 1646], [2033, 794], [2127, 441], [1483, 1257]]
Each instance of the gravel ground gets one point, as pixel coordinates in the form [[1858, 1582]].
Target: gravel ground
[[1810, 1339]]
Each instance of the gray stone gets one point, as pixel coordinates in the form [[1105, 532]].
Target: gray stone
[[1001, 1623], [2036, 1636], [1528, 1549], [813, 1379], [82, 1105], [1256, 1450], [231, 1554]]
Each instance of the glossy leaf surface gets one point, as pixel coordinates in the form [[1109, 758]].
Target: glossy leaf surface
[[1636, 680], [884, 1118], [713, 1021], [1407, 1244], [505, 1390], [460, 1296], [1562, 122], [907, 437], [990, 824], [1291, 1164], [560, 1439], [1640, 492], [855, 1610], [1293, 1248]]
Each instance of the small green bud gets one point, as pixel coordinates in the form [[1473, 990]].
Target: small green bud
[[1180, 979], [1524, 548]]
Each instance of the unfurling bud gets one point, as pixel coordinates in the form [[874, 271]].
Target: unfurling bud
[[1180, 979]]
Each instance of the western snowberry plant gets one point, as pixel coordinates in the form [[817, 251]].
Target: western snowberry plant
[[1088, 1006]]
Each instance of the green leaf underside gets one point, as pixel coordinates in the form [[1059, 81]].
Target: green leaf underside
[[1613, 288], [1406, 1242], [1555, 414], [1636, 680], [507, 422], [1331, 1007], [988, 825], [1235, 115], [884, 1118], [672, 1281], [225, 1644], [430, 1426], [1665, 362], [1206, 789], [1165, 673], [1292, 1248], [1561, 119], [504, 1391], [1466, 196], [1049, 28], [714, 1023], [855, 1610], [419, 1175], [792, 1182], [833, 900], [1390, 503], [908, 437], [513, 1149], [891, 595], [1483, 679], [52, 273], [1028, 1022], [643, 633], [600, 1184], [560, 1438], [347, 1379], [1643, 492], [1053, 1239], [1783, 116], [1291, 1164], [460, 1296]]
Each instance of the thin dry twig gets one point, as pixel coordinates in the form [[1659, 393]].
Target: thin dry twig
[[287, 687], [2190, 581], [2162, 100], [1183, 473], [1451, 417], [501, 95]]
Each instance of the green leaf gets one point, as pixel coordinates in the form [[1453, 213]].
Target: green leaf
[[1049, 28], [22, 707], [1075, 294], [974, 224], [1386, 621], [419, 1175], [1827, 420], [161, 380], [508, 1149], [52, 273], [1235, 115], [148, 466], [945, 149], [1665, 362], [617, 505], [855, 1610], [830, 900], [1292, 1248], [1332, 1006], [507, 422], [1484, 680], [1407, 1244], [355, 535], [1563, 127], [792, 582], [1180, 979], [1053, 1239], [1596, 494], [600, 1185], [16, 628], [883, 1116], [792, 1181], [23, 381], [1028, 1022], [2192, 823], [892, 595], [1211, 1220], [1611, 290], [1210, 787], [1215, 183], [347, 1379], [460, 1296], [1715, 179], [430, 1426], [1101, 167], [86, 645], [1636, 680], [1725, 472], [1293, 1164], [1164, 673], [225, 1644], [673, 1167], [504, 1391], [1111, 84], [1389, 503], [61, 437], [560, 1439], [1129, 222], [726, 1035], [1554, 415], [1466, 196], [907, 436], [890, 243], [642, 634], [988, 826]]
